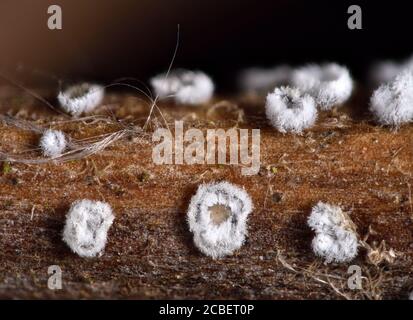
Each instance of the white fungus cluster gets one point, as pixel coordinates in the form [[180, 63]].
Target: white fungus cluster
[[336, 236], [52, 143], [82, 98], [386, 71], [263, 80], [87, 224], [217, 216], [330, 84], [185, 86], [289, 110], [392, 103]]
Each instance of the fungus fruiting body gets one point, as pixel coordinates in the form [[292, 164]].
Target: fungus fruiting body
[[336, 237], [87, 224], [217, 216], [386, 71], [53, 143], [184, 86], [330, 84], [392, 103], [288, 109], [82, 98], [263, 80]]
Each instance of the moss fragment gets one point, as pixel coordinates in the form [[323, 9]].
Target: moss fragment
[[6, 167]]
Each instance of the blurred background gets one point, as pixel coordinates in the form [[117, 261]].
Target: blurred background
[[103, 40]]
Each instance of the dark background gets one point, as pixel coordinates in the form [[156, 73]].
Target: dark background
[[108, 39]]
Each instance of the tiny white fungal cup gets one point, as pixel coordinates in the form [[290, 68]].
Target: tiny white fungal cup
[[217, 216], [330, 84], [392, 103], [184, 86], [336, 237], [263, 80], [82, 98], [86, 228], [53, 143], [288, 110]]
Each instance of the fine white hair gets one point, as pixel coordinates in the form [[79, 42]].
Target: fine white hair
[[392, 103], [52, 143], [184, 86], [82, 98], [218, 238], [336, 237], [330, 84], [263, 80], [87, 224], [288, 109]]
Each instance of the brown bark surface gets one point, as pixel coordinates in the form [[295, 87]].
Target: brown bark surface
[[345, 159]]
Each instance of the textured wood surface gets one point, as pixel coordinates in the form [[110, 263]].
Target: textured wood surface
[[345, 159]]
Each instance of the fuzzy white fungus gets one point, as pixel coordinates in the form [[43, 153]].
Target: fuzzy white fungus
[[87, 224], [82, 98], [386, 71], [264, 80], [330, 84], [289, 110], [184, 86], [336, 237], [53, 143], [217, 216], [392, 103]]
